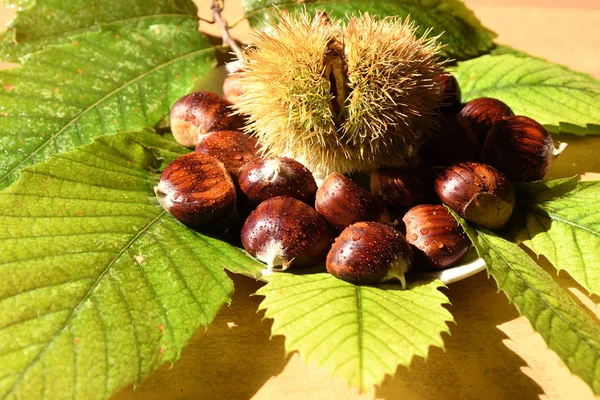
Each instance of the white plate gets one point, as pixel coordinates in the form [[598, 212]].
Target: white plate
[[469, 265]]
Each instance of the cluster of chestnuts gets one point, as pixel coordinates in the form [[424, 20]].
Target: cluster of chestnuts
[[364, 236]]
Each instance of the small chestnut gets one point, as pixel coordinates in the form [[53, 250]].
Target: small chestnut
[[284, 232], [479, 115], [369, 252], [233, 148], [262, 179], [232, 87], [343, 202], [439, 240], [196, 189], [477, 192], [402, 188], [451, 94], [450, 143], [200, 113], [521, 148]]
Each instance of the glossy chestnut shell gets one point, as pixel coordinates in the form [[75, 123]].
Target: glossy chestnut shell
[[480, 115], [262, 179], [368, 253], [196, 189], [521, 148], [439, 240], [284, 232], [343, 202], [200, 113], [233, 148], [477, 192], [402, 188]]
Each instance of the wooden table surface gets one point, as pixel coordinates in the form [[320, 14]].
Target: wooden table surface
[[492, 353]]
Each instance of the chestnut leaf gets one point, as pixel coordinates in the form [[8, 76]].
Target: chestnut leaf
[[98, 284], [566, 327], [360, 333], [560, 220], [562, 100], [118, 78], [42, 23], [461, 32]]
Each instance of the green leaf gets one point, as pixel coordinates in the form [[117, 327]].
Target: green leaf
[[98, 284], [462, 33], [361, 333], [561, 221], [565, 326], [41, 23], [122, 78], [560, 99], [165, 144]]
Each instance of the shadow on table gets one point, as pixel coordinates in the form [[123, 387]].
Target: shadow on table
[[215, 364], [476, 364]]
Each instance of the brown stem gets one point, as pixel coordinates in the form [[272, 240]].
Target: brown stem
[[217, 7]]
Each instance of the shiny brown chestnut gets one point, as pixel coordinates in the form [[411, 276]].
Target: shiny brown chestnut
[[200, 113], [262, 179], [521, 148], [479, 115], [450, 143], [477, 192], [402, 188], [370, 252], [439, 240], [196, 189], [343, 202], [451, 94], [284, 232], [233, 148]]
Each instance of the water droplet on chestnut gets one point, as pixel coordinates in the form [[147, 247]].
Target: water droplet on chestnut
[[196, 189], [480, 115], [437, 226], [488, 204], [380, 254], [521, 148], [343, 202], [402, 188], [200, 113], [298, 237], [233, 148]]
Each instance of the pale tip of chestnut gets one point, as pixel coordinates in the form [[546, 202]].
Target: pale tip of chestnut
[[273, 254], [560, 149]]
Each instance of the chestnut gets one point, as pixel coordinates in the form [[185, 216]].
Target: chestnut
[[233, 148], [402, 188], [449, 143], [343, 202], [477, 192], [262, 179], [479, 115], [450, 93], [284, 232], [521, 148], [200, 113], [232, 87], [439, 241], [369, 252], [196, 189]]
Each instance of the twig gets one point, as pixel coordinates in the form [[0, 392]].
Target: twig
[[217, 8]]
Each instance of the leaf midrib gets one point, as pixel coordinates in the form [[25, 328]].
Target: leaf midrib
[[76, 118], [84, 299], [98, 26]]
